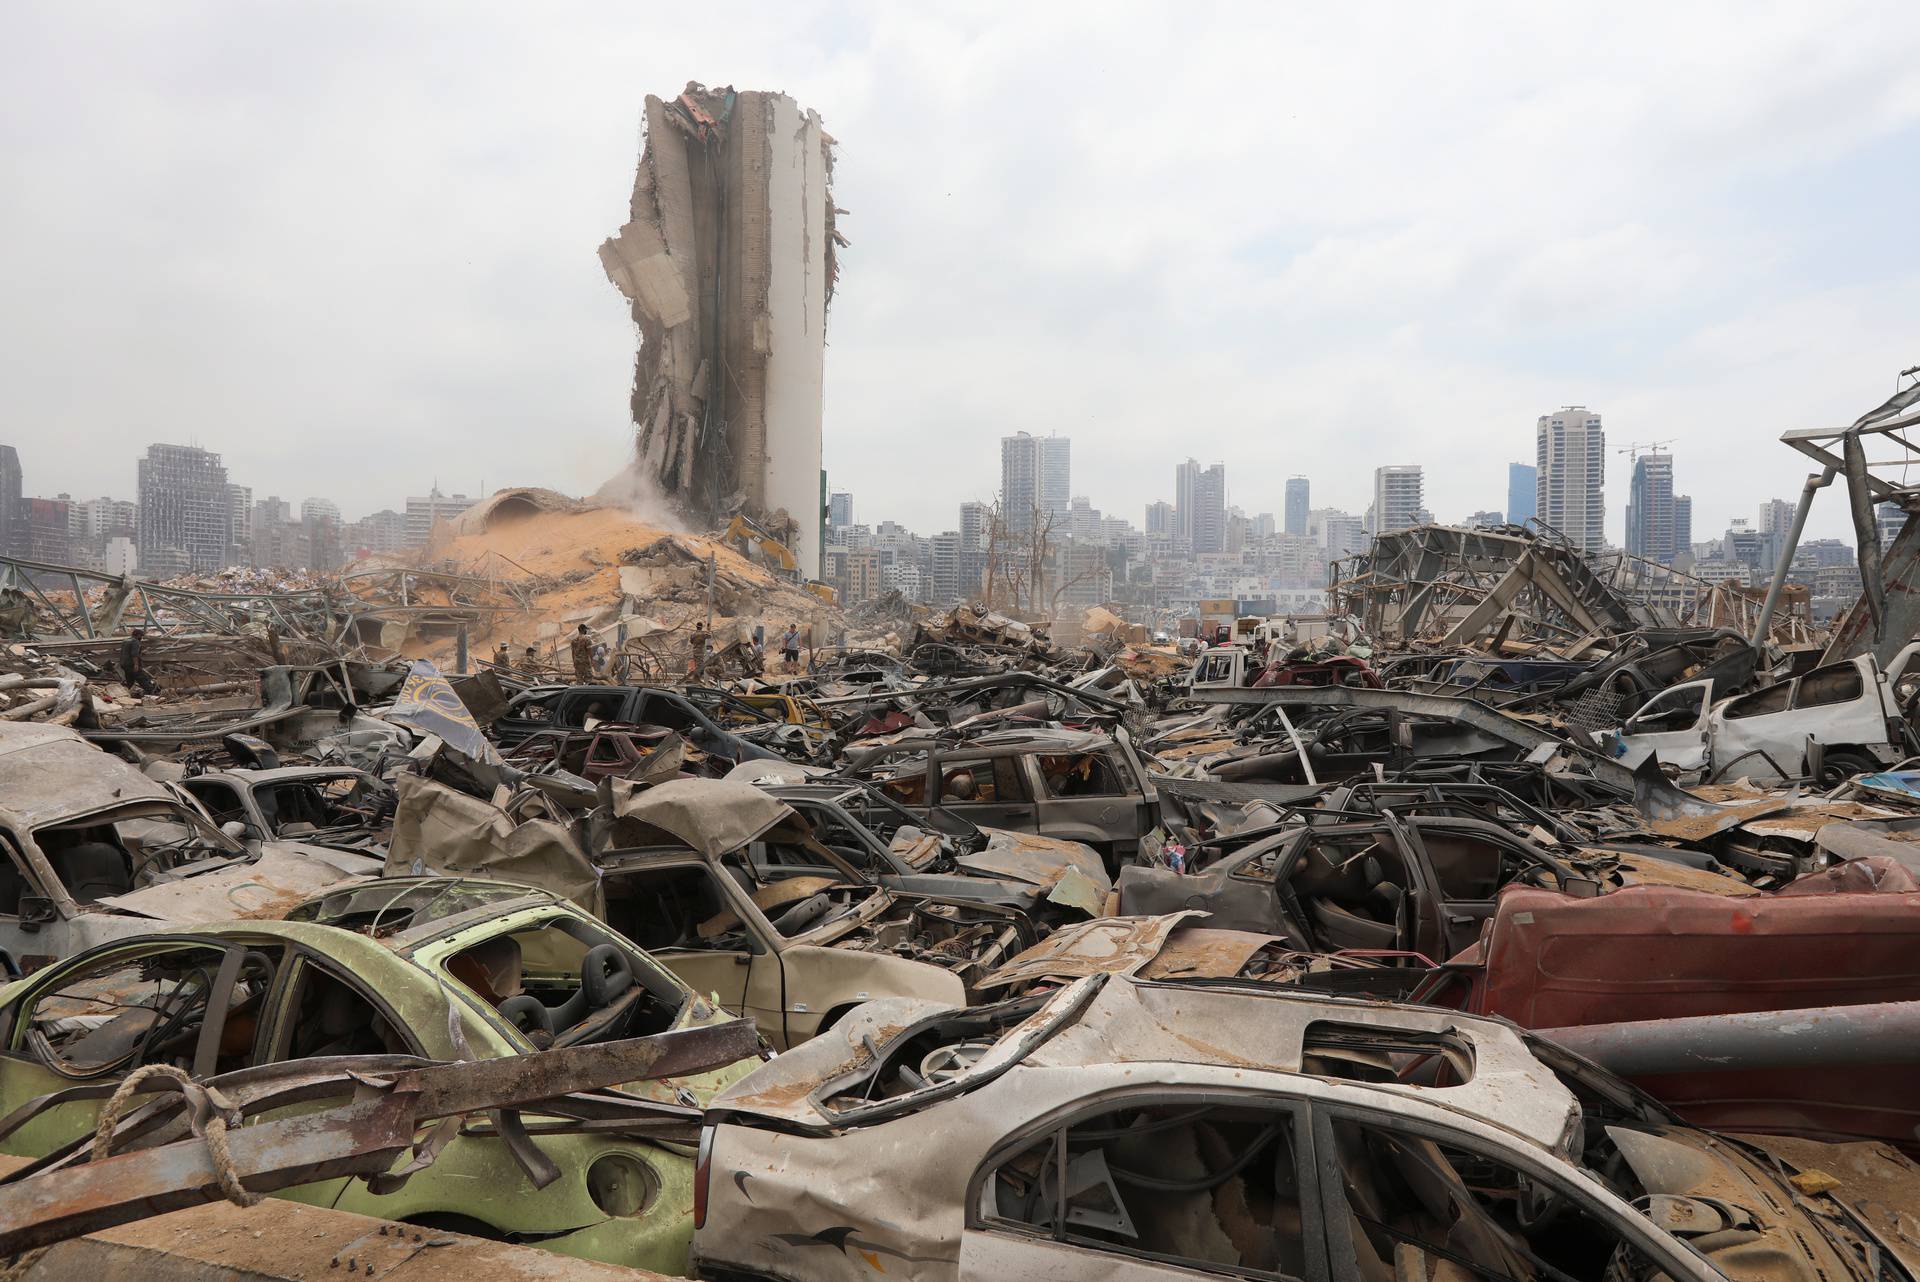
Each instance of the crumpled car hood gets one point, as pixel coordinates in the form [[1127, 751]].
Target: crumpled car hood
[[1758, 1225], [1877, 1182], [1040, 861], [285, 874]]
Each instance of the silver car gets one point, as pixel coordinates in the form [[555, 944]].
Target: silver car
[[1123, 1129]]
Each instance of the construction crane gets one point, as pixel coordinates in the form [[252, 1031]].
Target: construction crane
[[1633, 451]]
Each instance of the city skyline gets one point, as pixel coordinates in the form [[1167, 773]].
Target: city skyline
[[1718, 282]]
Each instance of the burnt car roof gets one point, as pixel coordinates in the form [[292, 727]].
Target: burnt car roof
[[1108, 1019]]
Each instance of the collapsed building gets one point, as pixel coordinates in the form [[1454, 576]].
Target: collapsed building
[[729, 259]]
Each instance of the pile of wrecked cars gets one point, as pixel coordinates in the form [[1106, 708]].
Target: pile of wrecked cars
[[992, 961]]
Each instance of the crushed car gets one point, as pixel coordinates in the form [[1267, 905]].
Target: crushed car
[[1416, 883], [1839, 720], [1070, 784], [428, 969], [337, 806], [941, 853], [1123, 1128], [96, 850]]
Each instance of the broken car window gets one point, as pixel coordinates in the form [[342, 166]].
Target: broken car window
[[1080, 774], [1835, 683], [1203, 1186], [676, 908], [330, 1017], [125, 1011], [1416, 1208]]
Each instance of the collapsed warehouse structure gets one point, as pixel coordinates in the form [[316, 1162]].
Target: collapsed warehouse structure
[[729, 260]]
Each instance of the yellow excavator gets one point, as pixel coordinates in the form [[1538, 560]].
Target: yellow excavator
[[752, 540]]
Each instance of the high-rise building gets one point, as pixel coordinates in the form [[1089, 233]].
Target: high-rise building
[[382, 531], [1776, 519], [1570, 451], [839, 509], [322, 528], [1295, 512], [1035, 476], [1159, 519], [1890, 517], [974, 520], [1397, 496], [1200, 506], [1650, 524], [1522, 480], [186, 511], [11, 480], [48, 528], [428, 510], [1056, 475], [240, 515], [945, 564], [1682, 525], [1339, 533]]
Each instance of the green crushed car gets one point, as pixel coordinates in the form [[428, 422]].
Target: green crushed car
[[387, 967]]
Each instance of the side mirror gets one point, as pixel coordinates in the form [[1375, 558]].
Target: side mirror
[[36, 911], [235, 829]]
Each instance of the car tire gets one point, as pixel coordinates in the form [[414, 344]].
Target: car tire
[[1843, 764]]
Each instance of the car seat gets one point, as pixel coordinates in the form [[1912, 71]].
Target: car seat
[[92, 870]]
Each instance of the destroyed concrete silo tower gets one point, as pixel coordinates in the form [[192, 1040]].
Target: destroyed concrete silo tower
[[729, 258]]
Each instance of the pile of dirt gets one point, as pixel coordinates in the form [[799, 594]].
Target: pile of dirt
[[603, 565]]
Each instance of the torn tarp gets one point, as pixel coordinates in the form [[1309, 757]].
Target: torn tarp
[[429, 704]]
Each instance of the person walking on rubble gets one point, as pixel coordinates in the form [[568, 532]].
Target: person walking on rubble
[[133, 667], [697, 665], [581, 648], [530, 663], [790, 647], [503, 657]]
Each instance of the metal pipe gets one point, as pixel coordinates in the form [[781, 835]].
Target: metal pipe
[[1306, 766], [1814, 484], [1817, 1037]]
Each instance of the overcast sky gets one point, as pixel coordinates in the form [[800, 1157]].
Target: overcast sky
[[351, 246]]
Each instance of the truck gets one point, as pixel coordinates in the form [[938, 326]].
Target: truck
[[1836, 721]]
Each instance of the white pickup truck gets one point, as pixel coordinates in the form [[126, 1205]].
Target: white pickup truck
[[1853, 709]]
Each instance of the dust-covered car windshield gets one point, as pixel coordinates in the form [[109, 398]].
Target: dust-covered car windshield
[[387, 907]]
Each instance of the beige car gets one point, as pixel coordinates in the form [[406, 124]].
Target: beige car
[[729, 889]]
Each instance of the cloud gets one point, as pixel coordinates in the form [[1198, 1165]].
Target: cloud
[[352, 247]]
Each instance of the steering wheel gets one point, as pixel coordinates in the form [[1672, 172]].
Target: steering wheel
[[1540, 875], [173, 1012]]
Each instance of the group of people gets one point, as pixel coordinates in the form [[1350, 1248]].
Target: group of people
[[589, 655], [589, 658]]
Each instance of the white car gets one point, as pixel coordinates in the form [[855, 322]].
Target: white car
[[1853, 709]]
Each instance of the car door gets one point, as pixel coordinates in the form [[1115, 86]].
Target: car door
[[702, 925], [1671, 726], [1407, 1199], [992, 791], [194, 1002], [1463, 867], [1165, 1183], [1089, 796]]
